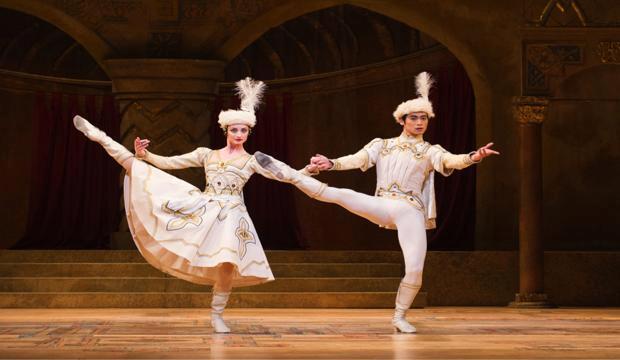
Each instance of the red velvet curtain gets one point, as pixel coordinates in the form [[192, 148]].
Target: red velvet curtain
[[454, 128], [75, 189], [270, 203]]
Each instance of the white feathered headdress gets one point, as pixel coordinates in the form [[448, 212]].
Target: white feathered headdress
[[250, 92], [423, 84]]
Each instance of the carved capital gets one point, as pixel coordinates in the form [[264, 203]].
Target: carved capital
[[530, 109], [609, 52]]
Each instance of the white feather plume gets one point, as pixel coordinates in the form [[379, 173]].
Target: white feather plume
[[250, 92], [423, 84]]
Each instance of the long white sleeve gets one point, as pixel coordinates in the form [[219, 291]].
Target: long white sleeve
[[445, 162], [363, 159], [192, 159]]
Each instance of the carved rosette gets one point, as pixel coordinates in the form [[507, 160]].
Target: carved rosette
[[530, 109]]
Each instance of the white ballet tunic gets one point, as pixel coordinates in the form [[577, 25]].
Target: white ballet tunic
[[188, 233]]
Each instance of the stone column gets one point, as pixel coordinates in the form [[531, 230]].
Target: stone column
[[168, 101], [530, 112]]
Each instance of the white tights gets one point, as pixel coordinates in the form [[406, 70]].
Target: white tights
[[408, 220]]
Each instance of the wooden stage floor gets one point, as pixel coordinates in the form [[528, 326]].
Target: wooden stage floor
[[446, 332]]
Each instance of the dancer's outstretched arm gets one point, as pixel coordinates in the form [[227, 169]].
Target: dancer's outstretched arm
[[363, 159], [192, 159], [445, 162]]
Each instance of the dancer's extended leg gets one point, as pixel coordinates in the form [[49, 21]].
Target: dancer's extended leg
[[117, 151], [369, 207]]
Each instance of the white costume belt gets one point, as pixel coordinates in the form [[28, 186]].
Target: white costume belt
[[412, 199]]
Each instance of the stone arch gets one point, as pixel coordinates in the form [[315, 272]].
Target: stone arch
[[430, 21], [98, 48], [422, 18]]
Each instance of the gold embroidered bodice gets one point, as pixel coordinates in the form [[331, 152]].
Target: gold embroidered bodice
[[224, 178]]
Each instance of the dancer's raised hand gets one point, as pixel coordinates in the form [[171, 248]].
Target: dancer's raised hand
[[321, 161], [484, 152], [140, 146]]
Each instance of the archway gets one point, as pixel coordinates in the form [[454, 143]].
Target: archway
[[420, 18], [361, 89], [38, 59], [430, 22], [90, 40]]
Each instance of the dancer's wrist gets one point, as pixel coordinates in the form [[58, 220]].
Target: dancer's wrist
[[475, 157], [312, 170], [142, 154]]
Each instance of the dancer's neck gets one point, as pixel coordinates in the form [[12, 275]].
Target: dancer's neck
[[231, 149], [407, 136]]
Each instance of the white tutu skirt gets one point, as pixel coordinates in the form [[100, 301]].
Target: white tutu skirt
[[188, 234]]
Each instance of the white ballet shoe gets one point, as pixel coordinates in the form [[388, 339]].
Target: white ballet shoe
[[117, 151], [283, 172], [88, 129], [218, 324], [404, 299], [403, 326], [218, 304]]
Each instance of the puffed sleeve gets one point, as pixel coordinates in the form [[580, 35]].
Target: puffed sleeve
[[363, 159], [192, 159], [445, 162]]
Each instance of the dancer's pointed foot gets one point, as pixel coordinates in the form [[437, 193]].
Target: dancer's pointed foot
[[219, 326], [403, 326], [285, 173], [88, 129]]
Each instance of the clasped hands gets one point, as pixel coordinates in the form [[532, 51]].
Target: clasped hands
[[319, 163]]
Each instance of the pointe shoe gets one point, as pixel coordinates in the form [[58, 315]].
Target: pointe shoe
[[285, 173], [403, 326], [88, 129], [117, 151], [218, 324]]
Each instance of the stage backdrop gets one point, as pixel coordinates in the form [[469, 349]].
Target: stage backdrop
[[75, 192]]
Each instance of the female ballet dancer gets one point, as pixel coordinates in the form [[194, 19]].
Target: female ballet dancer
[[205, 237]]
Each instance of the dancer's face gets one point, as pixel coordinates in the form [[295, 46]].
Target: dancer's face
[[416, 123], [237, 134]]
